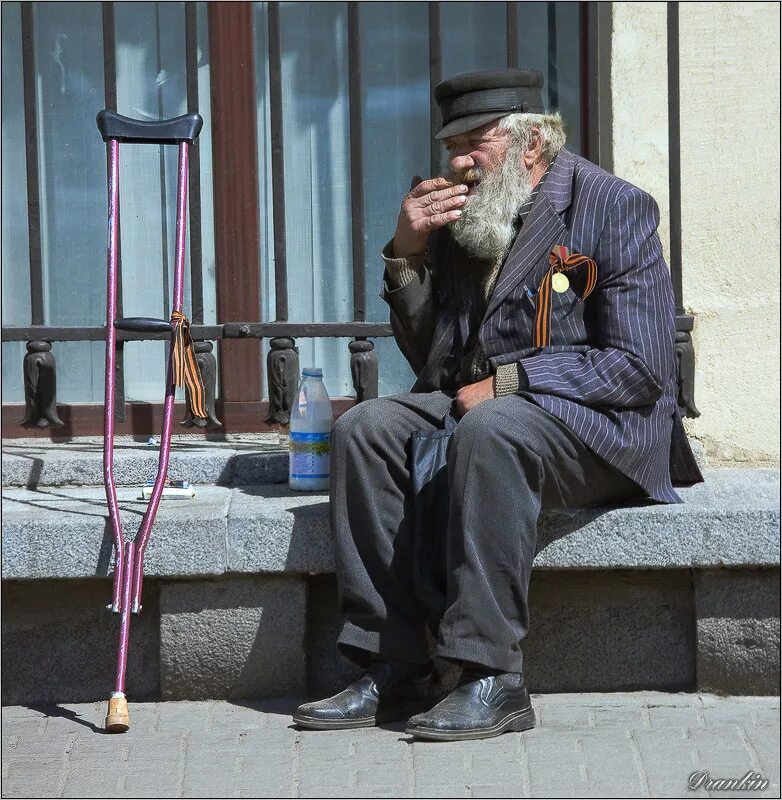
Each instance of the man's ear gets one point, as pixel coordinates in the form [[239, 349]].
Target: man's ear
[[534, 151]]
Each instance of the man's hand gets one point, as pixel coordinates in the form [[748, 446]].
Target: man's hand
[[427, 206], [467, 397]]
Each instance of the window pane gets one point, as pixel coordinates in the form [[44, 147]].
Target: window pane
[[72, 173], [151, 84], [560, 66], [203, 152], [317, 178], [69, 67], [150, 63], [263, 112], [12, 358], [473, 37], [568, 59], [395, 110], [15, 252]]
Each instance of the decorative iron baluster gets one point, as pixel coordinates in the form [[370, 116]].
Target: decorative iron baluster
[[685, 371], [207, 366], [363, 369], [282, 370], [40, 387]]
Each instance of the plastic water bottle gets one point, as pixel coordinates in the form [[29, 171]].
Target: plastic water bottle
[[310, 434]]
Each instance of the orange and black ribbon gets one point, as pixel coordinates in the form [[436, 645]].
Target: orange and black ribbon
[[583, 282], [186, 372]]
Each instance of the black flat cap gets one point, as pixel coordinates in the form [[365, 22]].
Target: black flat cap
[[476, 98]]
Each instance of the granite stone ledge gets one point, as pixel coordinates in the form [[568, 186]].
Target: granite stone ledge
[[238, 638], [271, 529], [223, 459], [730, 521], [738, 631], [59, 643], [65, 533], [228, 460], [290, 531]]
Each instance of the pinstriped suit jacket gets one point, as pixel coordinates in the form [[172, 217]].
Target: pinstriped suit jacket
[[609, 371]]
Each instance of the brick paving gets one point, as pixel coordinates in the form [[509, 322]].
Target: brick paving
[[636, 744]]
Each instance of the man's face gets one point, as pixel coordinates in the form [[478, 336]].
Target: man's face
[[490, 164], [475, 152]]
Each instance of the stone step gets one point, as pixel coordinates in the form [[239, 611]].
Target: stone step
[[731, 520], [221, 459], [241, 599], [226, 460]]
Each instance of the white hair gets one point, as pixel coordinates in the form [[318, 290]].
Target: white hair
[[549, 126]]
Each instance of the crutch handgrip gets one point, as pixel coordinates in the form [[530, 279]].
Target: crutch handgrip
[[137, 131], [143, 325]]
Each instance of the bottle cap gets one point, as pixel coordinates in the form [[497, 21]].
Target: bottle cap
[[312, 372]]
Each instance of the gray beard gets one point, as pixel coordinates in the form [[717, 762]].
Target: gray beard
[[485, 229]]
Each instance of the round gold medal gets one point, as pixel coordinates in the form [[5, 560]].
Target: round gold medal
[[559, 282]]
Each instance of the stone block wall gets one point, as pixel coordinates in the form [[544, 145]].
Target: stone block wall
[[275, 635], [59, 642]]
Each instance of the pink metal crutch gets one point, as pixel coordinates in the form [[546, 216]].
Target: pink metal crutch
[[129, 555]]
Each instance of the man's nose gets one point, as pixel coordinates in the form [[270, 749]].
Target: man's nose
[[461, 163]]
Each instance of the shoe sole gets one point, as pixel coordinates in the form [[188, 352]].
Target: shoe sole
[[518, 721], [315, 724]]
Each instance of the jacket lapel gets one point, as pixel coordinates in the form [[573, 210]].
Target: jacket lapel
[[543, 229]]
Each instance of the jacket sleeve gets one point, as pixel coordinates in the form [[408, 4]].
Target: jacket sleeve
[[407, 288], [631, 353]]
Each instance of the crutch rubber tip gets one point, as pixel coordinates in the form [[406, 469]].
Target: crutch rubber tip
[[117, 720]]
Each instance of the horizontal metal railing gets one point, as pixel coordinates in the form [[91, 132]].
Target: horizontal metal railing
[[227, 330], [282, 362]]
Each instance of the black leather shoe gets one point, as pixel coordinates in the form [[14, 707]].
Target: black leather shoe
[[384, 694], [481, 706]]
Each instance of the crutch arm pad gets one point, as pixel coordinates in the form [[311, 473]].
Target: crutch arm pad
[[142, 325], [165, 131]]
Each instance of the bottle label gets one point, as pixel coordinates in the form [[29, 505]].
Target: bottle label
[[309, 454]]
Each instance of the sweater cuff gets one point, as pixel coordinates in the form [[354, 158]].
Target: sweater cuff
[[510, 379], [400, 271]]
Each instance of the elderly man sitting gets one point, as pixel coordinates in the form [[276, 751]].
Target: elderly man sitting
[[529, 293]]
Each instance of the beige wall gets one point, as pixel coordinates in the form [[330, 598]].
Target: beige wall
[[639, 94], [730, 199]]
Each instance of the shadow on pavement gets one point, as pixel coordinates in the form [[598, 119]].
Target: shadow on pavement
[[284, 706], [65, 713]]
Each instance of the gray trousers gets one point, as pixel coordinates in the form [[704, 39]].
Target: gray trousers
[[508, 459]]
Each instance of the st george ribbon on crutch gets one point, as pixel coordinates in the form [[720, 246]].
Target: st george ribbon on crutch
[[182, 371]]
